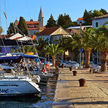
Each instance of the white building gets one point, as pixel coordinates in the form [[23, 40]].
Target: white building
[[99, 21], [77, 29]]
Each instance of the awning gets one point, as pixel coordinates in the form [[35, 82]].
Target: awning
[[20, 37]]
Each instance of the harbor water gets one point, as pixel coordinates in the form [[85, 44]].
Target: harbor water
[[47, 96]]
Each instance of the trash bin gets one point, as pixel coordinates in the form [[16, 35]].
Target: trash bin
[[82, 82], [74, 73]]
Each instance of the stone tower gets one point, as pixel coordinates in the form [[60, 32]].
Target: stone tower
[[41, 18]]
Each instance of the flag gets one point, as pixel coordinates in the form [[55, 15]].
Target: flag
[[5, 15]]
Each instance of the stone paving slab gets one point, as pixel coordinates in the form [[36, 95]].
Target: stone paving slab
[[69, 95]]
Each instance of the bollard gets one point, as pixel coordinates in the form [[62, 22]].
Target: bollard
[[62, 65], [57, 70], [70, 68], [82, 82], [74, 73]]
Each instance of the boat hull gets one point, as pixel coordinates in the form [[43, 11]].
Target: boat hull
[[18, 88]]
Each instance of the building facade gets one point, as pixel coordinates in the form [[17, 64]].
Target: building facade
[[77, 29], [53, 34], [99, 21]]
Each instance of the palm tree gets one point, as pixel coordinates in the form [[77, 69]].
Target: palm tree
[[84, 40], [53, 50], [101, 43], [87, 44], [76, 44], [41, 45]]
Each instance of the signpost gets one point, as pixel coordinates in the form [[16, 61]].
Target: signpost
[[81, 50]]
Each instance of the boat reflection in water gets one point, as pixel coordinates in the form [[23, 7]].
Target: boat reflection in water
[[47, 96]]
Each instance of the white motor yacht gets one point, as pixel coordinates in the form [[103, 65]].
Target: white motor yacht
[[15, 85]]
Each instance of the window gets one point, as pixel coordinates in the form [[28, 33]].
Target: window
[[96, 24]]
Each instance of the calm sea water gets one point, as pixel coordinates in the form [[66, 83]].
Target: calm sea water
[[48, 92]]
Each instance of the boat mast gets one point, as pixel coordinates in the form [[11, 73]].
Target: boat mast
[[0, 12]]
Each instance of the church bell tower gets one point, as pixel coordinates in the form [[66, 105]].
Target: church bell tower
[[41, 18]]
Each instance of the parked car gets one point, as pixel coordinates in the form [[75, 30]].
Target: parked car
[[99, 63], [75, 65], [68, 64], [95, 67]]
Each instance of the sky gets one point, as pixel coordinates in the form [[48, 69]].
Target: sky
[[29, 9]]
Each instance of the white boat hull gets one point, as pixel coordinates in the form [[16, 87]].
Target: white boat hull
[[18, 87]]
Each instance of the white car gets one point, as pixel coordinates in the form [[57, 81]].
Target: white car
[[68, 64], [95, 67]]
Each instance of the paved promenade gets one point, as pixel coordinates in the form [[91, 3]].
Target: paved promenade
[[69, 95]]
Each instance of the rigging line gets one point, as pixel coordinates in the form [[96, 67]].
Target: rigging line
[[23, 51], [31, 41], [5, 12]]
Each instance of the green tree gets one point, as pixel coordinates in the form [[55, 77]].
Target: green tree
[[41, 45], [51, 22], [64, 21], [60, 20], [11, 29], [76, 45], [53, 50], [74, 23], [22, 26], [97, 13], [29, 49], [87, 17], [1, 29], [76, 42], [104, 11], [66, 44], [101, 43], [87, 44]]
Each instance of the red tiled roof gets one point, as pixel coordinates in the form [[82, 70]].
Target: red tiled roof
[[32, 22], [80, 19], [34, 28], [48, 31]]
